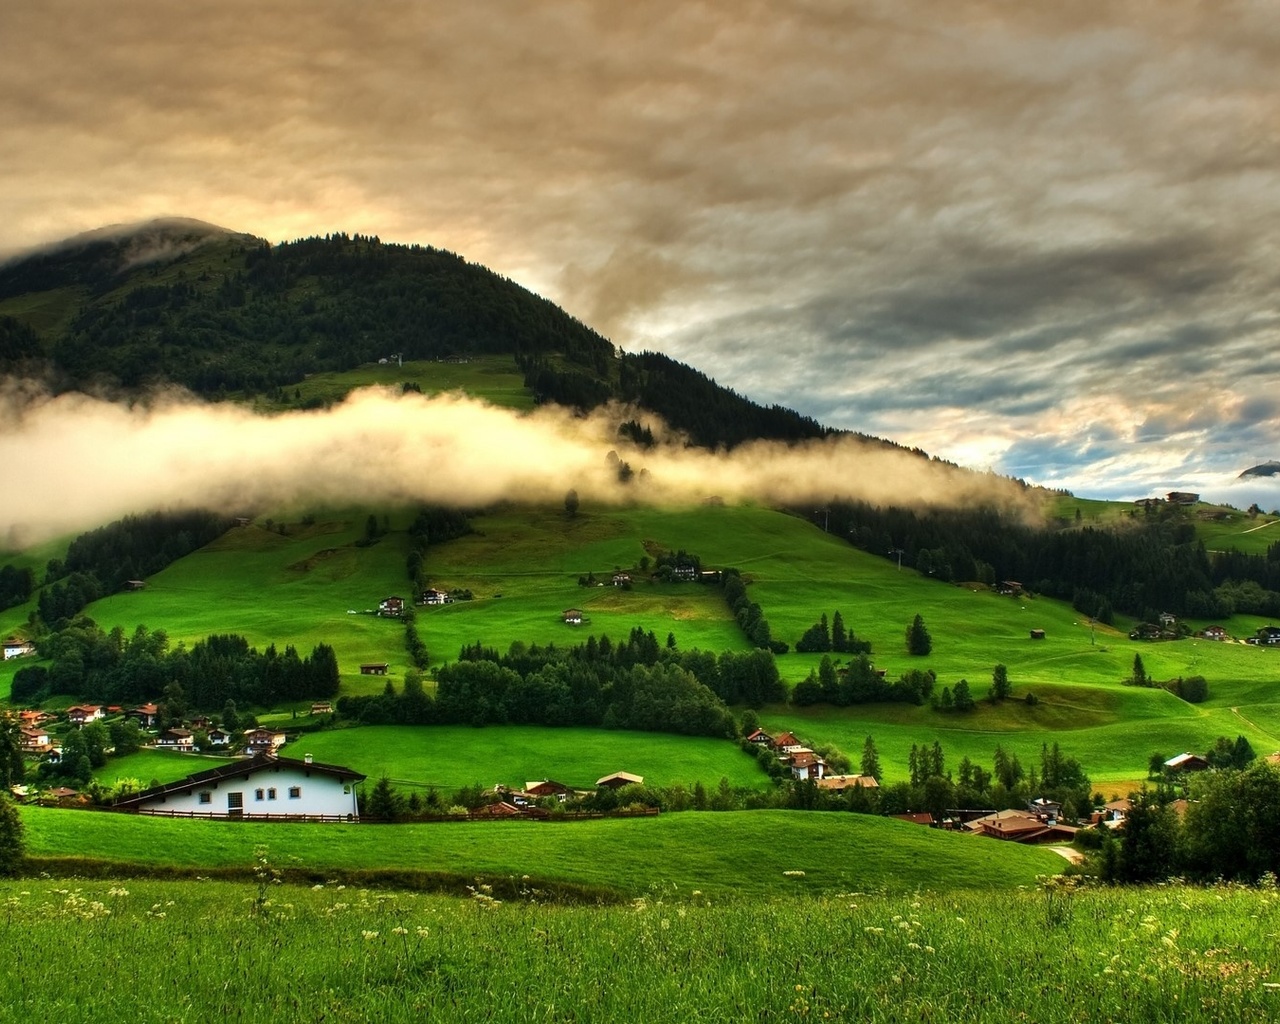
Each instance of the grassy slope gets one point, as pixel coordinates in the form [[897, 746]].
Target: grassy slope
[[450, 757], [533, 558], [742, 853]]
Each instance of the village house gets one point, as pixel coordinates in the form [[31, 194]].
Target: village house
[[840, 783], [321, 707], [547, 787], [219, 737], [82, 714], [258, 741], [391, 607], [1214, 633], [1268, 636], [621, 579], [1182, 497], [786, 743], [200, 723], [684, 573], [804, 764], [181, 740], [619, 779], [373, 668], [146, 715], [573, 616], [135, 585], [434, 597], [760, 736], [32, 718], [18, 648], [262, 787], [1186, 763], [35, 740]]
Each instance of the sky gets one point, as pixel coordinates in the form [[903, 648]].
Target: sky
[[1034, 238]]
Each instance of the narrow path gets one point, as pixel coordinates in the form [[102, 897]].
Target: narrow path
[[1255, 529], [1075, 856], [1251, 724]]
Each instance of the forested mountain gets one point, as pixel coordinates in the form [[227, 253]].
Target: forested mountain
[[222, 314]]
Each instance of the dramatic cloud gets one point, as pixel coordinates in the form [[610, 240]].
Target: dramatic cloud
[[98, 460], [1000, 232]]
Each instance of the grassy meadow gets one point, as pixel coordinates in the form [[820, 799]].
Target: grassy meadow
[[746, 853], [523, 566], [449, 757], [287, 953]]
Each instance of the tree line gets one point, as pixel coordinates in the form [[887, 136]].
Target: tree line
[[118, 668]]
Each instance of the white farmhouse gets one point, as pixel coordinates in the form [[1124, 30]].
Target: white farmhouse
[[264, 786]]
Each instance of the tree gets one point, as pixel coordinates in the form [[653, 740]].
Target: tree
[[11, 839], [1139, 677], [870, 759], [383, 802], [12, 765], [963, 697], [1000, 686], [571, 503], [918, 640], [839, 638]]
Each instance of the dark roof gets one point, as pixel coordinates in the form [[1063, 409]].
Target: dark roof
[[259, 762]]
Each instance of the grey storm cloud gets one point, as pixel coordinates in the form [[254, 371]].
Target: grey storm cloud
[[995, 231]]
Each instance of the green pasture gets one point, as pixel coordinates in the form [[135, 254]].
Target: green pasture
[[1195, 955], [1252, 536], [299, 588], [450, 757], [731, 852], [493, 378], [148, 767]]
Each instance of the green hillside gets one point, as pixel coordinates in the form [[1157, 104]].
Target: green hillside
[[743, 853]]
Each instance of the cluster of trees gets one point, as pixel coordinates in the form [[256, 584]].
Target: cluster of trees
[[1230, 829], [860, 682], [749, 614], [434, 524], [1152, 564], [104, 560], [15, 585], [633, 684], [1192, 689], [116, 668], [821, 637]]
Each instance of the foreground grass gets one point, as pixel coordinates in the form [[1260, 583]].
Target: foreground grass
[[745, 852], [337, 954]]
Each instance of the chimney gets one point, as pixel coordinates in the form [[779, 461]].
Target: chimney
[[307, 758]]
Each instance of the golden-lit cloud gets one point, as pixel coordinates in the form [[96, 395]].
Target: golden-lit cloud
[[97, 460], [889, 215]]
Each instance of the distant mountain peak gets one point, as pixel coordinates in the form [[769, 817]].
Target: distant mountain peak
[[1271, 468]]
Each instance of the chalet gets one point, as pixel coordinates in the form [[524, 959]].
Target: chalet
[[18, 648], [242, 520], [35, 740], [1037, 634], [840, 783], [257, 741], [263, 787], [135, 585], [621, 579], [547, 787], [805, 764], [1010, 588], [684, 573], [786, 742], [391, 607], [1045, 810], [33, 718], [500, 809], [321, 707], [200, 723], [1214, 633], [146, 715], [1268, 636], [573, 616], [1168, 620], [219, 738], [81, 714], [760, 736], [182, 740], [1182, 498], [374, 668], [619, 779], [434, 597], [1112, 815], [1186, 763]]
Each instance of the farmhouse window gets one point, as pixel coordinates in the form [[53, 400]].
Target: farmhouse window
[[257, 794], [271, 793], [206, 798], [295, 792]]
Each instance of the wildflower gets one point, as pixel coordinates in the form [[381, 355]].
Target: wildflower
[[317, 887], [423, 932], [369, 936], [793, 874], [398, 930], [666, 923], [929, 949]]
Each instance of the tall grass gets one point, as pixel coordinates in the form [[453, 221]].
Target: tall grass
[[264, 952]]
